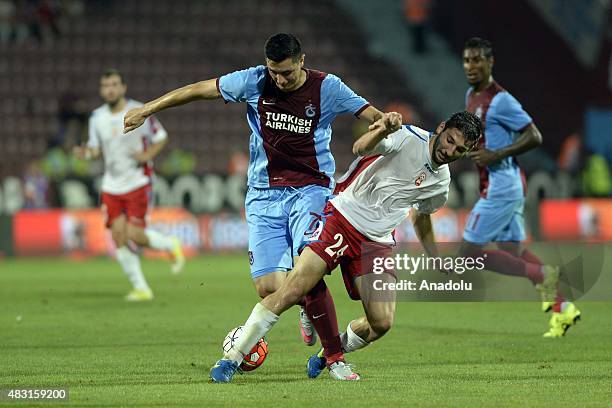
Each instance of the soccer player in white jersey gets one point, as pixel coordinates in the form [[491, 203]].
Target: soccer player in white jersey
[[126, 184], [404, 168]]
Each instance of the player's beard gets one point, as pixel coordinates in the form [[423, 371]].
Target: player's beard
[[112, 104], [434, 150]]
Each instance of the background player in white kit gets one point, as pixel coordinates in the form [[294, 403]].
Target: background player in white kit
[[405, 168], [126, 185]]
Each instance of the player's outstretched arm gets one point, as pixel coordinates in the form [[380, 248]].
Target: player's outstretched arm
[[197, 91], [530, 138], [371, 114], [424, 231], [389, 123]]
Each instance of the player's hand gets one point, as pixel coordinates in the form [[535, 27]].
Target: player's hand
[[133, 119], [379, 124], [484, 157], [393, 121], [80, 152], [141, 157]]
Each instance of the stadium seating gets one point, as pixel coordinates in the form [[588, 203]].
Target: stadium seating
[[168, 44]]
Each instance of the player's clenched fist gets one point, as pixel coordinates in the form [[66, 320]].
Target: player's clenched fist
[[390, 122], [133, 119], [393, 121]]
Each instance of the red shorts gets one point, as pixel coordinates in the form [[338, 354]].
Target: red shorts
[[341, 244], [134, 205]]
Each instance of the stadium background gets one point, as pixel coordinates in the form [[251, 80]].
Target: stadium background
[[553, 55]]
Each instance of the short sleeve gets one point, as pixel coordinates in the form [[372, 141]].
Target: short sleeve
[[432, 204], [345, 100], [390, 144], [156, 131], [509, 112], [94, 140], [238, 86]]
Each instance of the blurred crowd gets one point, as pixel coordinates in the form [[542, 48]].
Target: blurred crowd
[[38, 20]]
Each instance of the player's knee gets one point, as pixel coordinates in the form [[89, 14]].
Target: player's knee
[[382, 325], [263, 290], [119, 237], [268, 284], [136, 235]]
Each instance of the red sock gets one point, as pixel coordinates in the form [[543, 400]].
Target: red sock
[[329, 360], [507, 264], [532, 258], [322, 313]]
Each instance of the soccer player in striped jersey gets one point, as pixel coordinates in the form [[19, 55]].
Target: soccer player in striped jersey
[[290, 110], [498, 214], [401, 168]]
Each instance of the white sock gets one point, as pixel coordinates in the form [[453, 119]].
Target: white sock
[[159, 241], [351, 341], [130, 262], [257, 325]]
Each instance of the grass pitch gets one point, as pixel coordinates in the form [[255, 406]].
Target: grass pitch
[[64, 324]]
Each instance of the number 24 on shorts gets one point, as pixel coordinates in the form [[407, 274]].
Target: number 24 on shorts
[[332, 250]]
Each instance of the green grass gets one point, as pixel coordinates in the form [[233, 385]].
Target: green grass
[[75, 331]]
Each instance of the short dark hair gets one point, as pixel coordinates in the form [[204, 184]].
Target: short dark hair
[[281, 46], [480, 43], [468, 124], [113, 71]]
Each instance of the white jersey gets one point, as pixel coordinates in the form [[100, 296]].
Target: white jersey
[[378, 191], [122, 173]]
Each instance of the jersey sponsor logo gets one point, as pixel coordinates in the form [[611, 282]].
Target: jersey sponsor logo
[[420, 179], [310, 110], [291, 123]]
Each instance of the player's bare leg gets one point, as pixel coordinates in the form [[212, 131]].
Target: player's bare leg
[[375, 324], [269, 283], [156, 240], [309, 270], [130, 262], [362, 331]]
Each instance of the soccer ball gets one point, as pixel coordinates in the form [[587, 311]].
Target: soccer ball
[[255, 357]]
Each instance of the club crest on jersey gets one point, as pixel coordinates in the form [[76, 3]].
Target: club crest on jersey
[[419, 180], [310, 110]]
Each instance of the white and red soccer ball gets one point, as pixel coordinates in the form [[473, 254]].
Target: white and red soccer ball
[[253, 358]]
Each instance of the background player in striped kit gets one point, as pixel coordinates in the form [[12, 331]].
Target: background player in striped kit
[[498, 214]]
